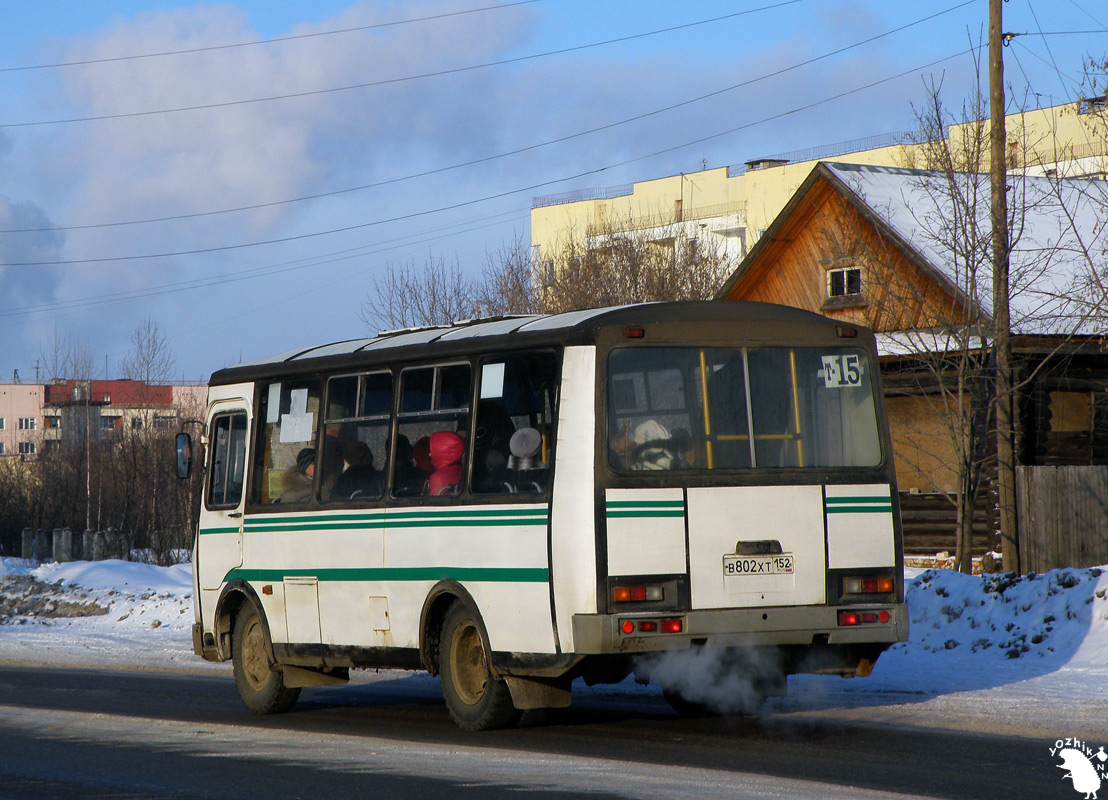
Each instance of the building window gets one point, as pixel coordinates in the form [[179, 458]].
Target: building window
[[547, 273], [107, 423], [844, 282], [26, 448], [2, 453], [27, 423], [1091, 105], [1, 423], [52, 421]]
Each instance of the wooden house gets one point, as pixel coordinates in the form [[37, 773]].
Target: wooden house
[[908, 254]]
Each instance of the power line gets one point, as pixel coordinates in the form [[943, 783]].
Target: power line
[[274, 40], [517, 151], [1046, 44], [486, 198], [264, 271], [389, 81]]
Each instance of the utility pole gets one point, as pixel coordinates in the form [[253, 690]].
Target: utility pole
[[1002, 321]]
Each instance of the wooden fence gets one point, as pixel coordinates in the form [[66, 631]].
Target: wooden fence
[[930, 524], [1063, 517]]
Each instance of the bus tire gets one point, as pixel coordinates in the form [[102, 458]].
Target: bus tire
[[261, 687], [690, 709], [476, 699]]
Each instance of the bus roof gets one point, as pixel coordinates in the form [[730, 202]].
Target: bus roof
[[573, 327]]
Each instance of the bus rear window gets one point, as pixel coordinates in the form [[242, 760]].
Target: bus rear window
[[672, 408]]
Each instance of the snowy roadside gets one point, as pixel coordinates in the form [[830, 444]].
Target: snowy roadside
[[1026, 655]]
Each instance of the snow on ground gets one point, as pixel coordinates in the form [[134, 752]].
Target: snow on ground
[[1030, 652]]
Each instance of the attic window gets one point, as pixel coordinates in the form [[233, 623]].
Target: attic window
[[844, 282]]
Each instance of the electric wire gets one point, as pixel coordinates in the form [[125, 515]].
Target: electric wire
[[486, 198], [405, 79], [274, 40], [1046, 44], [322, 259], [517, 151]]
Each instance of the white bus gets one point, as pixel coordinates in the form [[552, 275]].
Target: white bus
[[518, 502]]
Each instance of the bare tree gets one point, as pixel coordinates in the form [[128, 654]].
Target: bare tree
[[144, 445], [621, 264], [408, 295], [507, 285]]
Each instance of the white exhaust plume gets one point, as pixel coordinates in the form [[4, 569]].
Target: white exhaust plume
[[715, 680]]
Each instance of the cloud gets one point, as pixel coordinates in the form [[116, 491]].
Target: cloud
[[251, 153], [23, 285]]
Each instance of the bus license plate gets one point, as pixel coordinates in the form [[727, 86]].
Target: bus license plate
[[779, 564]]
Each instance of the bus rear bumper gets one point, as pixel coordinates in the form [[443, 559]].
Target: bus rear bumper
[[782, 626]]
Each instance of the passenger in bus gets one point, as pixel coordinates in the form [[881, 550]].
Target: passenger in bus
[[525, 467], [421, 456], [298, 482], [409, 480], [491, 447], [655, 448], [447, 449], [360, 478]]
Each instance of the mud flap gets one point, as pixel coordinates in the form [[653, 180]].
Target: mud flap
[[530, 693], [301, 676]]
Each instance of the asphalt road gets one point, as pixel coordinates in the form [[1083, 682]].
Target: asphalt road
[[130, 734]]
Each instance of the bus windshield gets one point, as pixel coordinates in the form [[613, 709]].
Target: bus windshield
[[673, 408]]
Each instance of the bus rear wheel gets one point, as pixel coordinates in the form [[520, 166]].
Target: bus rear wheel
[[476, 699], [261, 687]]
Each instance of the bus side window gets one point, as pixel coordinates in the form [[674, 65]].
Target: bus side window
[[355, 437], [434, 402], [513, 438], [228, 437], [286, 455]]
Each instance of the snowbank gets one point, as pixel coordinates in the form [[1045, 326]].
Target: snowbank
[[1039, 641]]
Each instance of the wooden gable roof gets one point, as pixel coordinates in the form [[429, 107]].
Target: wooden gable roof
[[828, 226]]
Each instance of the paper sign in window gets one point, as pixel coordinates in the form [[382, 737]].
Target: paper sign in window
[[273, 404], [492, 381], [297, 427], [298, 405]]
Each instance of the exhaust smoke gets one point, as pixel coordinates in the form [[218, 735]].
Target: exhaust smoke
[[710, 680]]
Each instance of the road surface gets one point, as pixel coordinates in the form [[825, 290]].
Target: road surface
[[96, 734]]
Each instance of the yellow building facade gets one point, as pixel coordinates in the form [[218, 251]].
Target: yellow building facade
[[732, 206]]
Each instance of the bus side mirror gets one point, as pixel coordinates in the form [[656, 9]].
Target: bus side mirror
[[184, 456]]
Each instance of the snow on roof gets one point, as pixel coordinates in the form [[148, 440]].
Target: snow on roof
[[1058, 261]]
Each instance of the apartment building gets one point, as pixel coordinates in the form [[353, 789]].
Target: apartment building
[[36, 417], [733, 206]]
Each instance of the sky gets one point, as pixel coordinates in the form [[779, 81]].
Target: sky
[[238, 172]]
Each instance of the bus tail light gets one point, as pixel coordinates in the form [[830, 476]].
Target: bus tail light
[[638, 594], [851, 618], [867, 585], [629, 626]]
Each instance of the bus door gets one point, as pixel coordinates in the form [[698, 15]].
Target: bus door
[[752, 546], [219, 543]]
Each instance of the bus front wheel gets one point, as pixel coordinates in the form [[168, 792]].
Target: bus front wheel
[[261, 687], [476, 699]]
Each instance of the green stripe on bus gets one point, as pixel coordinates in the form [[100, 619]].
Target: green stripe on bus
[[472, 574], [881, 498], [646, 514], [461, 522], [646, 504], [381, 515], [205, 531]]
